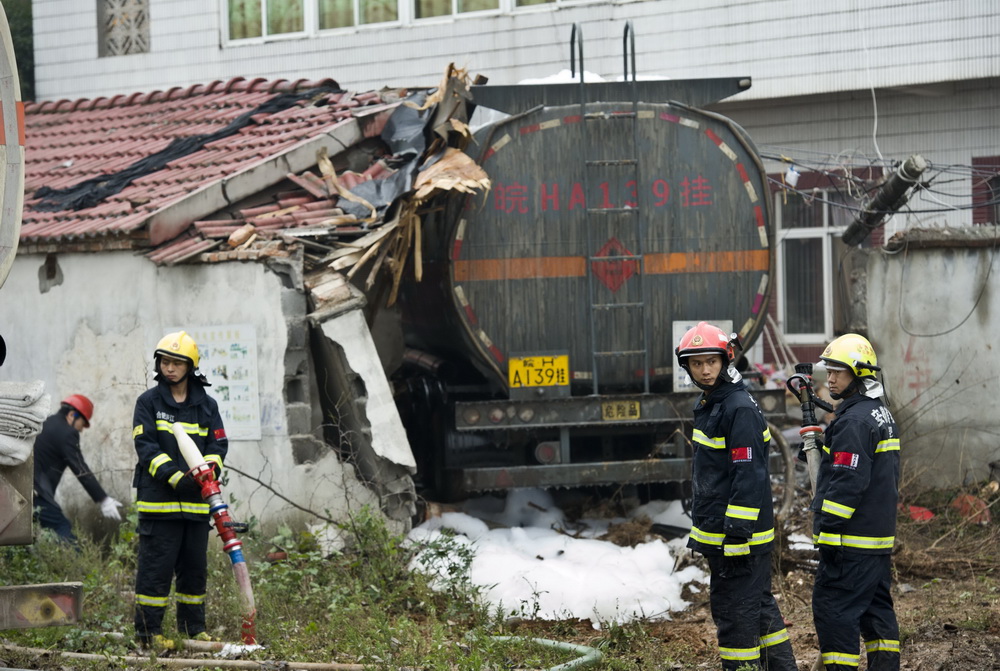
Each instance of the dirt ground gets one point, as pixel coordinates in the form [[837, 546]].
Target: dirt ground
[[948, 624], [946, 590]]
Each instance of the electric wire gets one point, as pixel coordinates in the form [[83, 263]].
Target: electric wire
[[848, 185], [863, 29]]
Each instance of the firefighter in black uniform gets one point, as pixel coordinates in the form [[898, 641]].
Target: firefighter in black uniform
[[57, 448], [173, 519], [854, 515], [731, 511]]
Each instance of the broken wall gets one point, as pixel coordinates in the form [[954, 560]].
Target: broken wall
[[933, 316], [88, 323]]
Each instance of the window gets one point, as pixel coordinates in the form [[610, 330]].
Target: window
[[265, 19], [427, 8], [808, 254], [986, 190], [269, 18], [123, 27], [260, 18]]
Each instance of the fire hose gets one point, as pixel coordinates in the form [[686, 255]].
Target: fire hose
[[801, 384], [204, 475]]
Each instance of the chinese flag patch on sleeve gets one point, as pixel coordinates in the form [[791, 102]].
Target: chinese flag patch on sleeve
[[741, 454], [219, 434], [845, 459]]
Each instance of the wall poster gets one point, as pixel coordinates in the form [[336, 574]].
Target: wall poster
[[229, 361]]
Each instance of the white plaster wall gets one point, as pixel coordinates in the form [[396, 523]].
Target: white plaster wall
[[94, 333], [933, 318], [790, 48]]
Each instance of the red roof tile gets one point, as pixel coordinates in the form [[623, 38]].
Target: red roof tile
[[69, 142]]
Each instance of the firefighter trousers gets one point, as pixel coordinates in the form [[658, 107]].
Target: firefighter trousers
[[851, 600], [50, 516], [747, 619], [169, 549]]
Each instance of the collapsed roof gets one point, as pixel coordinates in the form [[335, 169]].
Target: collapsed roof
[[243, 170]]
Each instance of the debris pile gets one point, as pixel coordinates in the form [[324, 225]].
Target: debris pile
[[352, 221]]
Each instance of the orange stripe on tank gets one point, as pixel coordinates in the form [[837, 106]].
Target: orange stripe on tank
[[519, 269], [474, 270], [20, 123], [707, 262]]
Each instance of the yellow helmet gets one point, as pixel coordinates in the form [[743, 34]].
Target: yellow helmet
[[851, 351], [178, 345]]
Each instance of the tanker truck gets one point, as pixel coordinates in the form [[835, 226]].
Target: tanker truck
[[541, 338], [21, 606]]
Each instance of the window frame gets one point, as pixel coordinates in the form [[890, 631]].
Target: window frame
[[405, 15], [825, 233], [308, 25], [983, 190], [412, 6]]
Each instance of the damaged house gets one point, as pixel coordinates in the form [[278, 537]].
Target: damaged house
[[235, 211]]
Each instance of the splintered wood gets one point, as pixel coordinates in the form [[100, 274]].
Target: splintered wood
[[341, 232]]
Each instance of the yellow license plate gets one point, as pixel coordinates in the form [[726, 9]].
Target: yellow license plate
[[620, 411], [538, 371]]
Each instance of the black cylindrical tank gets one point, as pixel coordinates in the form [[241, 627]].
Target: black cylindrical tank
[[603, 228]]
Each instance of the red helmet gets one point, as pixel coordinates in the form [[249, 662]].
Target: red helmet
[[82, 405], [705, 339]]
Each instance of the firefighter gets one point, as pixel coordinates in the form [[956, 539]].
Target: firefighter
[[854, 514], [173, 518], [731, 511], [56, 448]]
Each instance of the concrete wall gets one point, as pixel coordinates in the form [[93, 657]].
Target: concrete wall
[[933, 317], [93, 330], [790, 48]]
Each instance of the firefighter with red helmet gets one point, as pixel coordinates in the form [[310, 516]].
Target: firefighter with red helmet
[[56, 448], [173, 519], [854, 514], [731, 509]]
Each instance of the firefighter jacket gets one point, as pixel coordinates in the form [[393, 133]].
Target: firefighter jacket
[[56, 447], [731, 510], [161, 466], [857, 489]]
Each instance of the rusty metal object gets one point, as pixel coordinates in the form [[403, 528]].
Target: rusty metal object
[[46, 605], [16, 497]]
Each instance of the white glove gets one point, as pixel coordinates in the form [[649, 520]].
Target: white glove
[[109, 508]]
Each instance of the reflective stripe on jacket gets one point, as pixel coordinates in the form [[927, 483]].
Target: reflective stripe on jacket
[[858, 485], [161, 466], [730, 478]]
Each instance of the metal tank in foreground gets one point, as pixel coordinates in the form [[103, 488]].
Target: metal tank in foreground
[[551, 306]]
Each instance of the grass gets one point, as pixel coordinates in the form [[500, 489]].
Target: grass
[[363, 605]]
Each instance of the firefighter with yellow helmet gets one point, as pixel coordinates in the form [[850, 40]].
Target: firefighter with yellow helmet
[[731, 510], [173, 518], [854, 514]]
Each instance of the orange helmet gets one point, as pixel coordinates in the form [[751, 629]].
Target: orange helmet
[[706, 339], [82, 405]]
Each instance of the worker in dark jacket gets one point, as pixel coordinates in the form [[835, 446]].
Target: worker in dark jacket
[[173, 518], [731, 511], [56, 448], [854, 521]]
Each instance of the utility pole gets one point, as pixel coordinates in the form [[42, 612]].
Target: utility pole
[[891, 196]]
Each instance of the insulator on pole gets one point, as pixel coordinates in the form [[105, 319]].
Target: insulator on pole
[[889, 198]]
